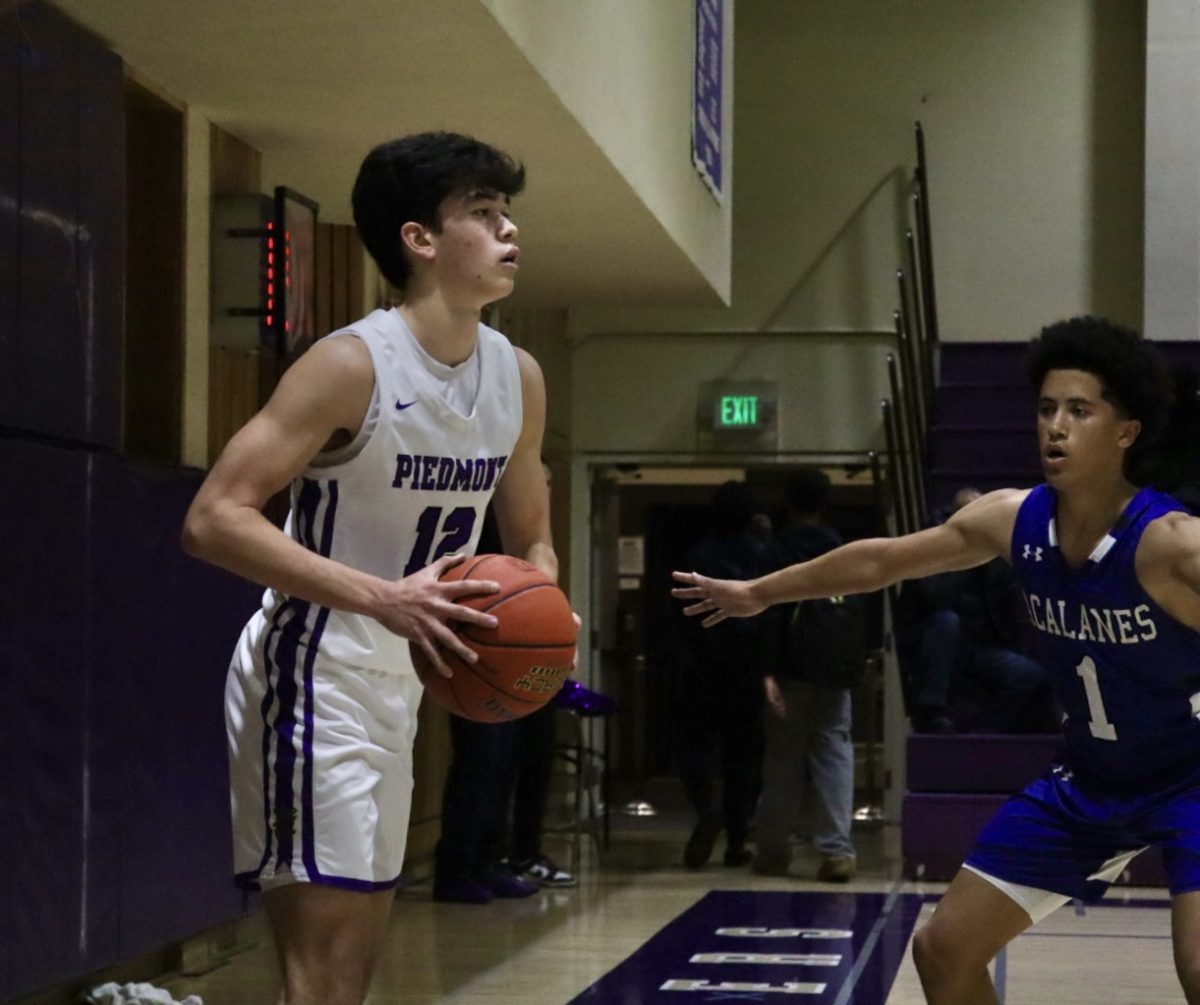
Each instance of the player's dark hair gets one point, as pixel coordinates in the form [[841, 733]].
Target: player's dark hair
[[1132, 375], [406, 180], [807, 491]]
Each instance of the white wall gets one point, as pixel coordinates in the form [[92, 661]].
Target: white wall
[[1033, 111], [623, 69], [1173, 170]]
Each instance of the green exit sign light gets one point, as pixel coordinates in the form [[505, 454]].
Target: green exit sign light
[[738, 411]]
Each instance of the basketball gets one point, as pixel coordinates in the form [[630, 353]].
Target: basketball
[[523, 661]]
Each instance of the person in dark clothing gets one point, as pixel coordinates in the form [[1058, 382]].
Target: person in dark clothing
[[721, 693], [808, 757], [470, 861], [959, 640]]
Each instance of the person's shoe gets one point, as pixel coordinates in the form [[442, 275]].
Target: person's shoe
[[933, 720], [837, 869], [544, 872], [700, 845], [461, 890], [737, 856], [771, 858], [505, 883], [574, 697]]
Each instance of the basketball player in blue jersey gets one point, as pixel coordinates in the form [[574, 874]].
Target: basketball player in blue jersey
[[1111, 576], [393, 435]]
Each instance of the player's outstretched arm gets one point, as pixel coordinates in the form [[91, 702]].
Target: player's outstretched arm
[[326, 390], [975, 534]]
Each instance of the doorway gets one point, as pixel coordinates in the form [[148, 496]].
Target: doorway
[[644, 520]]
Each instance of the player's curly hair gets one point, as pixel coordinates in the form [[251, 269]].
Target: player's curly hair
[[1132, 375], [406, 180]]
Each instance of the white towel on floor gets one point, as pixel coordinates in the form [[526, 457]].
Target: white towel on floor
[[135, 994]]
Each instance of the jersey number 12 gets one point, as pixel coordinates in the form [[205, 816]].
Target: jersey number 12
[[455, 531]]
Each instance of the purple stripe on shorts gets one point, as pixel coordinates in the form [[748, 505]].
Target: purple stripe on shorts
[[264, 714], [285, 730], [251, 881], [308, 499], [306, 791]]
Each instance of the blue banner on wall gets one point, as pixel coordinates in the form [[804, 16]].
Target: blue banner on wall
[[707, 93]]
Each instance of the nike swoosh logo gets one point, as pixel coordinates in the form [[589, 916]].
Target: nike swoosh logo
[[401, 406]]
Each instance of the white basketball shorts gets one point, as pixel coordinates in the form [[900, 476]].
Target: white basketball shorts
[[320, 763]]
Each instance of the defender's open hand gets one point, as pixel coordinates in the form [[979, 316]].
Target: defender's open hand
[[717, 598]]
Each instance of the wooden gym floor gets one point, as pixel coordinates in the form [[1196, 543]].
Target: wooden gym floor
[[554, 946]]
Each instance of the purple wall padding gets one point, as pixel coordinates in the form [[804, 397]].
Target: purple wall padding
[[115, 822], [10, 90], [64, 355], [45, 708], [170, 627], [977, 762]]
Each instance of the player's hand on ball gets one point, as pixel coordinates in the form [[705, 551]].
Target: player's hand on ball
[[718, 599], [420, 605]]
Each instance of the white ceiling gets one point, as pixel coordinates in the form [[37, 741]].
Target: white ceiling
[[314, 84]]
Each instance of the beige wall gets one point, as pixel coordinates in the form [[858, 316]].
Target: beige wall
[[623, 69], [1033, 112], [1173, 170], [638, 394]]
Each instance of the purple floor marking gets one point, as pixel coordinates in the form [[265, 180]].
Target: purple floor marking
[[721, 950]]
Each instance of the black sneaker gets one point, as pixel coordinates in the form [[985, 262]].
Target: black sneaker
[[544, 872], [700, 845], [737, 856], [506, 883], [461, 890]]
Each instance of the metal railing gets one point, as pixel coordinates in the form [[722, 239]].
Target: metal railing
[[911, 369]]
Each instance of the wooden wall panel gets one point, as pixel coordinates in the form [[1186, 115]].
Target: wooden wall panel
[[340, 298], [154, 271], [235, 166], [324, 279], [339, 266], [235, 393]]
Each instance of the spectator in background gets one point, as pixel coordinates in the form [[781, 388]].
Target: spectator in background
[[470, 865], [959, 638], [808, 758], [721, 689]]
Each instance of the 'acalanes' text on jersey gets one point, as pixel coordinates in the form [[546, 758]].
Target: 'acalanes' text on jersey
[[1126, 673], [417, 489]]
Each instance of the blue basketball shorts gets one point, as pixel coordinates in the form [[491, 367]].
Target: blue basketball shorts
[[1055, 837]]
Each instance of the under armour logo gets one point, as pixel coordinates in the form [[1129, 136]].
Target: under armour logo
[[1036, 552]]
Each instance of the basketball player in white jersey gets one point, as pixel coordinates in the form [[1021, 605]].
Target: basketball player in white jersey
[[393, 434]]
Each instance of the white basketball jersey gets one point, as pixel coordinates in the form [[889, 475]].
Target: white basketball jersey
[[416, 490]]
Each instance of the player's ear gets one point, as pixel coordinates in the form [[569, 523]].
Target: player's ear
[[1130, 430], [416, 238]]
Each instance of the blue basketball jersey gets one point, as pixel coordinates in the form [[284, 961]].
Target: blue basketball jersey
[[1125, 672]]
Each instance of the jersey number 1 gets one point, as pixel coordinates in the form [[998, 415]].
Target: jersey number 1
[[456, 532], [1101, 728]]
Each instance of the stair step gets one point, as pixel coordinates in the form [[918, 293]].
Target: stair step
[[978, 762], [983, 449], [942, 483], [985, 405]]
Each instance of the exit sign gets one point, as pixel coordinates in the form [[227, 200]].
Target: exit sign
[[739, 411], [737, 415]]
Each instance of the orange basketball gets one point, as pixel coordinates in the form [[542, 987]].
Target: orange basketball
[[523, 661]]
